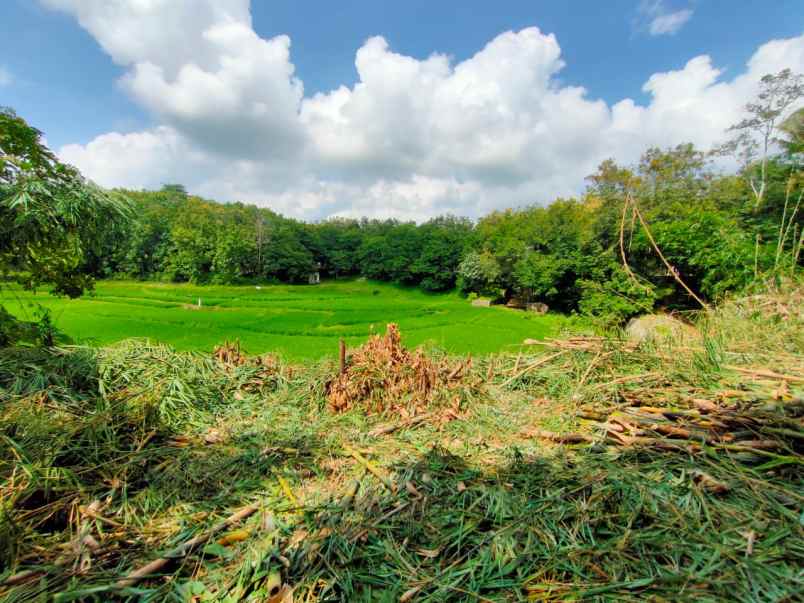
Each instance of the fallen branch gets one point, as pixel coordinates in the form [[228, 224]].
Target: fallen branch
[[560, 438], [184, 549], [760, 372], [386, 429], [671, 269]]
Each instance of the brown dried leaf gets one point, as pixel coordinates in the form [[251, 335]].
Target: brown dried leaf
[[709, 483], [429, 553]]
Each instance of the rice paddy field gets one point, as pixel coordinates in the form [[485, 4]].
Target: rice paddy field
[[298, 322]]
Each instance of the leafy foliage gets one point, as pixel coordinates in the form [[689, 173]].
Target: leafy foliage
[[51, 219], [49, 215]]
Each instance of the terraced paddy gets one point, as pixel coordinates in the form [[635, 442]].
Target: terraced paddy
[[300, 322]]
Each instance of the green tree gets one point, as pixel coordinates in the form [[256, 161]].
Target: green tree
[[754, 134], [287, 258], [50, 216], [540, 276], [792, 130], [442, 243], [175, 189], [193, 237], [479, 273]]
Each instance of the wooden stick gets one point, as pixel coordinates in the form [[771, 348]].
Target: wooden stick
[[561, 438], [456, 371], [760, 372], [22, 576], [342, 355], [532, 366], [626, 379], [672, 431], [516, 364], [385, 429], [183, 549]]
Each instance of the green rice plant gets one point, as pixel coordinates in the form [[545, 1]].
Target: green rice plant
[[298, 322]]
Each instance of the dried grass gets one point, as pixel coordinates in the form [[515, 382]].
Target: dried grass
[[690, 489], [383, 377]]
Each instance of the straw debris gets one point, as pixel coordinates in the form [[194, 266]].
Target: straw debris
[[584, 468], [383, 377]]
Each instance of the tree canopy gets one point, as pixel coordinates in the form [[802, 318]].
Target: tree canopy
[[51, 218]]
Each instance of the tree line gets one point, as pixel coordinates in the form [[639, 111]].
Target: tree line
[[179, 237]]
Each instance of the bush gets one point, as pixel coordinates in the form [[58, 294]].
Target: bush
[[615, 300]]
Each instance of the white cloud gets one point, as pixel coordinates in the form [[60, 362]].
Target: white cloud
[[5, 76], [199, 66], [411, 139], [662, 21], [669, 23]]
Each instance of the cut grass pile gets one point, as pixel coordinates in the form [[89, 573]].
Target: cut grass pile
[[114, 458], [298, 322], [382, 376]]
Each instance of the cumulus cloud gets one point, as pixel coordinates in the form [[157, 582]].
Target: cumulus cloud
[[662, 21], [413, 138], [201, 69]]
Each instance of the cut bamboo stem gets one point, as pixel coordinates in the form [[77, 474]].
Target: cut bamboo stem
[[184, 549], [386, 429], [561, 438], [760, 372], [372, 469]]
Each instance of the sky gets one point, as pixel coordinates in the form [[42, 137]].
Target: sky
[[385, 109]]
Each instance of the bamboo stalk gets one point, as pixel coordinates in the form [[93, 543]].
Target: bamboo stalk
[[184, 549], [560, 438], [386, 429], [91, 511], [532, 366], [760, 372], [372, 469]]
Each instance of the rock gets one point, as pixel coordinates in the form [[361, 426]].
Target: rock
[[659, 327], [515, 302], [481, 303], [537, 307]]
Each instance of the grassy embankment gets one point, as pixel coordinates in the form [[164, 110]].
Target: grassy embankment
[[300, 322], [582, 469]]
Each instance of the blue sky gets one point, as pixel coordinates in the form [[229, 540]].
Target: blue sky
[[58, 75]]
